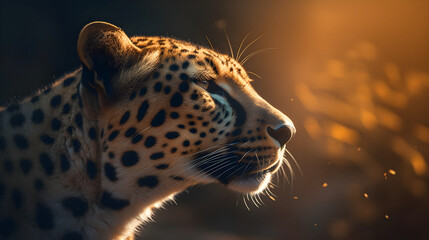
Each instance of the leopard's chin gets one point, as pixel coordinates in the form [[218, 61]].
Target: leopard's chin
[[253, 184]]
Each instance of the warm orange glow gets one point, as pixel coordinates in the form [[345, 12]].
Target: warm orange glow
[[365, 195], [324, 184], [421, 132], [312, 127], [408, 153], [342, 133]]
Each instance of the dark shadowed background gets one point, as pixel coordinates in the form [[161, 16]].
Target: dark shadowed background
[[352, 75]]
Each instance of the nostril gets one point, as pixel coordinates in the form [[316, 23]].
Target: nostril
[[282, 134]]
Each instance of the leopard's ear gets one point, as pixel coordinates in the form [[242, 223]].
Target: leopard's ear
[[106, 53], [104, 49]]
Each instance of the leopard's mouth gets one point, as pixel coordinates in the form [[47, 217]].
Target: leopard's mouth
[[231, 170]]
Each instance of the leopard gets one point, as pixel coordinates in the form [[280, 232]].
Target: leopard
[[143, 119]]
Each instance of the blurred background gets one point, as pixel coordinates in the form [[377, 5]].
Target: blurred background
[[352, 75]]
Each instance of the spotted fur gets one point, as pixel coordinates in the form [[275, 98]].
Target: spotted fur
[[143, 119]]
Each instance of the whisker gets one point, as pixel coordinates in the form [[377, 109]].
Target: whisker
[[254, 74], [256, 53], [241, 44], [250, 44], [208, 40], [229, 44]]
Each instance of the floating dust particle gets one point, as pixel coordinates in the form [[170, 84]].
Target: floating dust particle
[[291, 99], [296, 197], [391, 171], [359, 149], [324, 184], [385, 176], [386, 216], [365, 195]]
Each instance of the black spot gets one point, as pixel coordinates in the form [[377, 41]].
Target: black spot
[[148, 181], [184, 86], [65, 164], [17, 198], [17, 120], [236, 132], [2, 143], [72, 236], [212, 130], [47, 140], [198, 143], [12, 107], [176, 100], [111, 155], [37, 116], [157, 155], [130, 132], [78, 120], [38, 184], [186, 143], [20, 141], [203, 134], [167, 90], [174, 115], [7, 226], [76, 205], [125, 117], [56, 124], [47, 164], [185, 65], [8, 166], [133, 95], [91, 169], [172, 135], [159, 119], [205, 124], [76, 145], [55, 101], [108, 201], [192, 123], [143, 91], [137, 138], [184, 76], [68, 81], [142, 110], [162, 166], [44, 217], [157, 87], [34, 99], [181, 126], [113, 135], [191, 56], [168, 76], [91, 133], [150, 141], [194, 96], [129, 158], [66, 108], [193, 130], [173, 150], [110, 172], [174, 67], [26, 165]]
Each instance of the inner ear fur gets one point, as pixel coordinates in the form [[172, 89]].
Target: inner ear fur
[[105, 51]]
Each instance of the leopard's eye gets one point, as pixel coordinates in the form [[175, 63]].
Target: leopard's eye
[[202, 83]]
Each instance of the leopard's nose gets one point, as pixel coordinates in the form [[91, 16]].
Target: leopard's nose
[[282, 134]]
